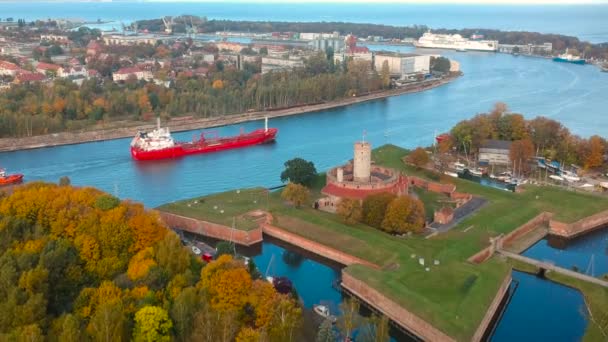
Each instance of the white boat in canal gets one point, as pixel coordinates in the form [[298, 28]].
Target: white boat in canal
[[323, 311]]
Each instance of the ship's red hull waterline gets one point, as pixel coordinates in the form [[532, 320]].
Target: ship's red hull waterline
[[260, 136]]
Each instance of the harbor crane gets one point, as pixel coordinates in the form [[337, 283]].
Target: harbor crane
[[168, 21]]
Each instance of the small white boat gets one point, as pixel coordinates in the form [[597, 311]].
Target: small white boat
[[570, 176], [557, 178], [323, 311], [458, 166], [476, 172], [270, 279]]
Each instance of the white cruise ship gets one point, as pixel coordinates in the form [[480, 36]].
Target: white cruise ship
[[454, 41]]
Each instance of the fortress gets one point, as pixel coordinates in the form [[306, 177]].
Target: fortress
[[359, 179]]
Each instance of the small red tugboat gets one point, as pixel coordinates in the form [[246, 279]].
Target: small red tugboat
[[9, 179], [159, 143]]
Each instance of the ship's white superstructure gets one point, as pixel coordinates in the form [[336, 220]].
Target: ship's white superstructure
[[454, 41], [158, 139]]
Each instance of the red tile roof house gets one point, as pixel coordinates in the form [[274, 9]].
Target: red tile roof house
[[9, 69], [124, 73], [43, 68], [27, 77]]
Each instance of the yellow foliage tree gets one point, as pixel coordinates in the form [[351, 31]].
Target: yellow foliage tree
[[404, 214], [141, 263], [350, 210], [297, 194], [218, 84], [595, 152], [248, 334], [152, 324]]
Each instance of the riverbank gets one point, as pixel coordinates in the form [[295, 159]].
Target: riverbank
[[178, 125]]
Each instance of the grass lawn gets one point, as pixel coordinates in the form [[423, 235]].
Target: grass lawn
[[432, 201], [234, 205], [454, 295]]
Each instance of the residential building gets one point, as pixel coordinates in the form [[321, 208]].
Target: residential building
[[45, 68], [118, 39], [229, 46], [495, 152], [124, 74], [281, 64], [93, 48], [55, 38], [402, 65], [9, 69], [27, 77], [313, 36], [75, 71]]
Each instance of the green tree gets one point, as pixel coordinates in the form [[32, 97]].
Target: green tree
[[296, 194], [418, 158], [349, 210], [152, 324], [404, 214], [374, 208], [440, 64], [326, 332], [299, 171], [107, 202], [182, 313], [64, 181], [70, 329], [224, 247]]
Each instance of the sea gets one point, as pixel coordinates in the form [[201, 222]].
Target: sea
[[587, 22]]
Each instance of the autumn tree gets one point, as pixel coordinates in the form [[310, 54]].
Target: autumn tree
[[350, 320], [418, 158], [404, 214], [299, 171], [520, 153], [326, 332], [594, 156], [296, 194], [349, 210], [374, 208], [385, 74], [152, 323]]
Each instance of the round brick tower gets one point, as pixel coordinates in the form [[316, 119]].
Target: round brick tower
[[362, 162]]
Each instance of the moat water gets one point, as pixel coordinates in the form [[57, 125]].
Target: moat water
[[575, 95]]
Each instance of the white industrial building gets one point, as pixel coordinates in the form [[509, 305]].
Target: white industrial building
[[337, 44], [280, 64], [402, 65], [117, 39]]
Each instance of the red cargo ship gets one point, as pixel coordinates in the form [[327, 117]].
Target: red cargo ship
[[9, 179], [159, 143]]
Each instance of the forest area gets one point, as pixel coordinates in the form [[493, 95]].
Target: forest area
[[540, 136], [77, 264], [34, 109]]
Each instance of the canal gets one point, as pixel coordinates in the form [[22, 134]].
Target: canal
[[528, 85]]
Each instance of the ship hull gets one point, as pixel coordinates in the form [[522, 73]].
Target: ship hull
[[564, 60], [12, 179], [213, 145], [454, 47]]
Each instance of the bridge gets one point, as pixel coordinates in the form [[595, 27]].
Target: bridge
[[551, 267]]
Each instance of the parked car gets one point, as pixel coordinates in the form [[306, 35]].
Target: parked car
[[196, 250], [207, 257]]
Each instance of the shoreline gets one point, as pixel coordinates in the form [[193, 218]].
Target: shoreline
[[177, 125]]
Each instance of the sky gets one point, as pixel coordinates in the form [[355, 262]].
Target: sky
[[455, 2]]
